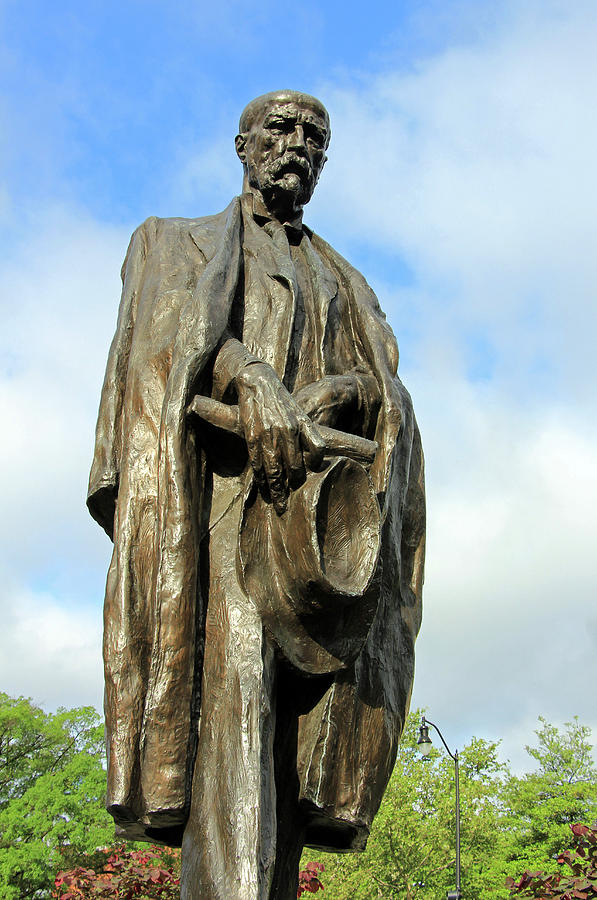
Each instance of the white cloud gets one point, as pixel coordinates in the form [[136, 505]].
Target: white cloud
[[510, 630], [49, 652], [60, 295], [60, 301]]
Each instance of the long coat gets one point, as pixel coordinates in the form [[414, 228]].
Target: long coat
[[181, 281]]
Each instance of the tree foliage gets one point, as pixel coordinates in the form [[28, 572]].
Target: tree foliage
[[52, 819], [52, 785], [411, 851], [508, 823], [545, 803], [577, 878]]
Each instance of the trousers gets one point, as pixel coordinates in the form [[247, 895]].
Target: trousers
[[243, 838]]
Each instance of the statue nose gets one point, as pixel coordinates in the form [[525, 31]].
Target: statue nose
[[297, 138]]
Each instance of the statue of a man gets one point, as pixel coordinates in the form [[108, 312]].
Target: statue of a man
[[253, 705]]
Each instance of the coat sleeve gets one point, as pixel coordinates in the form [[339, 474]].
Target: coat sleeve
[[104, 477]]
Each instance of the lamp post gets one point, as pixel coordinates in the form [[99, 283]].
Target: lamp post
[[424, 743]]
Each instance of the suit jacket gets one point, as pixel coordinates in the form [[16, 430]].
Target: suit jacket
[[183, 282]]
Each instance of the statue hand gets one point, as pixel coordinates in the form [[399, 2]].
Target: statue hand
[[281, 439], [329, 399]]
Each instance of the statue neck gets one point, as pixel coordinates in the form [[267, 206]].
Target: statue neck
[[283, 213]]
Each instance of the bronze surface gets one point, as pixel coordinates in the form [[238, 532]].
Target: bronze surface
[[259, 469]]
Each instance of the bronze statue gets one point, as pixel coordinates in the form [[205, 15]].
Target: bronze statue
[[259, 469]]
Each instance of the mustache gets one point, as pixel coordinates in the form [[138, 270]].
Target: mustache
[[291, 162]]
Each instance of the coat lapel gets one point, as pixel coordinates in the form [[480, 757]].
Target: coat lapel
[[325, 288]]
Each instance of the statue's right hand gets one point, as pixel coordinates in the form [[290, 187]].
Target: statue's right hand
[[282, 442]]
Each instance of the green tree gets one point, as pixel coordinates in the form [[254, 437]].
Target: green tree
[[52, 788], [545, 803]]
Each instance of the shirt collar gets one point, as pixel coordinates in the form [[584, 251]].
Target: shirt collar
[[257, 208]]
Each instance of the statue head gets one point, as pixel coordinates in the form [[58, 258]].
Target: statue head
[[282, 142]]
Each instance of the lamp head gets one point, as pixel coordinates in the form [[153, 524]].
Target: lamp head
[[424, 741]]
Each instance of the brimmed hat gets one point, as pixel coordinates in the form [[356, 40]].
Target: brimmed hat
[[311, 571]]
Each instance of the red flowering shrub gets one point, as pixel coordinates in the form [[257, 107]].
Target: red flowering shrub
[[309, 879], [578, 881], [126, 874], [147, 874]]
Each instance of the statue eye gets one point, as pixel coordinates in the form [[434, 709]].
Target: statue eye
[[280, 126], [314, 135]]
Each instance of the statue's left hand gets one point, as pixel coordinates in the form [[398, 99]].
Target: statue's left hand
[[325, 401]]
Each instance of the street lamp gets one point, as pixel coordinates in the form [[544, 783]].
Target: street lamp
[[424, 743]]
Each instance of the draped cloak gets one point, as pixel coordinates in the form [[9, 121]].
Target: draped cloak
[[183, 283]]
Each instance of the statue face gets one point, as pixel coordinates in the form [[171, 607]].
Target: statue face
[[284, 153]]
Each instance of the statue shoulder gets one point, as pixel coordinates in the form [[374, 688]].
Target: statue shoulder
[[372, 319], [364, 293], [169, 231]]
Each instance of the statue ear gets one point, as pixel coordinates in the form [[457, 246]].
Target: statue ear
[[240, 142]]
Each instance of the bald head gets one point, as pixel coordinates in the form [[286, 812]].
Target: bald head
[[257, 108]]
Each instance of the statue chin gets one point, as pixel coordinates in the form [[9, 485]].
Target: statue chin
[[296, 193]]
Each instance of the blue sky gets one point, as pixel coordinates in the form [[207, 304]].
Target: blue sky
[[107, 97], [461, 181]]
